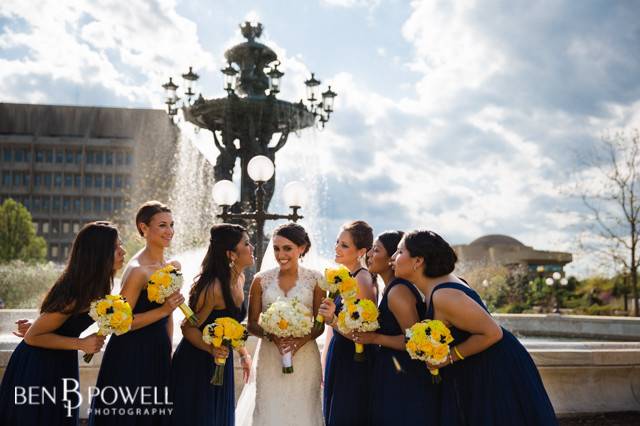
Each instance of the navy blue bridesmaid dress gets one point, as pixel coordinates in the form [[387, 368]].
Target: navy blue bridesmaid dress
[[40, 367], [196, 402], [402, 389], [137, 361], [347, 383], [498, 386]]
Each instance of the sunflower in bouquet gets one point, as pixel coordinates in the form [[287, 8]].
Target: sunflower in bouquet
[[224, 331], [163, 283], [113, 316], [429, 341], [287, 318], [338, 281], [358, 315]]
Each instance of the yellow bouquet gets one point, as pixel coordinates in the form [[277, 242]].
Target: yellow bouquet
[[338, 281], [112, 314], [358, 315], [287, 318], [163, 283], [224, 331], [429, 341]]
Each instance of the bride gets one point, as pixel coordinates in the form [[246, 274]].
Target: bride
[[284, 399]]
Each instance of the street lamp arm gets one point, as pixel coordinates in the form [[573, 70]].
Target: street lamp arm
[[281, 142]]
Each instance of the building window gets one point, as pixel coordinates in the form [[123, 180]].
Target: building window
[[56, 203], [26, 201], [76, 227], [118, 181], [128, 159], [127, 181], [49, 155], [36, 227], [77, 181], [78, 155], [54, 251], [69, 157], [17, 179], [66, 204], [76, 205], [97, 204], [6, 178], [88, 180], [55, 226], [117, 203], [45, 204], [107, 204], [26, 180], [66, 250], [119, 158], [66, 227], [37, 180], [99, 157], [89, 157], [19, 155], [97, 181], [59, 155], [45, 227], [47, 180], [39, 156], [108, 157], [86, 205], [57, 180], [68, 181], [108, 181], [37, 204], [6, 155]]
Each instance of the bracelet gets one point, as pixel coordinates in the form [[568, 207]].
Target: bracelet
[[243, 357], [450, 359], [455, 348]]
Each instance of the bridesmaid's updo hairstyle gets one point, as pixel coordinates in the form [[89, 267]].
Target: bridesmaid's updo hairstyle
[[89, 272], [147, 211], [439, 257], [223, 237], [296, 234], [361, 233], [390, 241]]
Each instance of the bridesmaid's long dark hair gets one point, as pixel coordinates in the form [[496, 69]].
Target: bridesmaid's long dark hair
[[89, 272], [215, 264]]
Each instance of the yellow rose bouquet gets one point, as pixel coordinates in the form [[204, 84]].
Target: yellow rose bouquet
[[112, 314], [338, 281], [358, 315], [224, 331], [429, 341], [163, 283], [287, 318]]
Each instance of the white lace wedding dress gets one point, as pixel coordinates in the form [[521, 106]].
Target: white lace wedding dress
[[283, 399]]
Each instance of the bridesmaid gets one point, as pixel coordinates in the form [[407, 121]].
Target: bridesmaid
[[216, 292], [48, 354], [138, 362], [402, 389], [490, 379], [346, 381]]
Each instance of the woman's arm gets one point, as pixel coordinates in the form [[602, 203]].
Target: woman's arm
[[131, 288], [204, 306], [402, 304], [255, 308], [41, 334], [456, 308]]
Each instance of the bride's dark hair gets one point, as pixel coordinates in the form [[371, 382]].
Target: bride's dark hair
[[215, 264], [296, 234]]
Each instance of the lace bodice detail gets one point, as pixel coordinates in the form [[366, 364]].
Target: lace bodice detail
[[303, 290]]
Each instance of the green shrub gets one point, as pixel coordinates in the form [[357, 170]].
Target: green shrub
[[24, 285]]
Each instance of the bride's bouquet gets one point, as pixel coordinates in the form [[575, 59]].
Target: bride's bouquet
[[358, 315], [163, 283], [338, 281], [112, 314], [429, 341], [224, 331], [287, 318]]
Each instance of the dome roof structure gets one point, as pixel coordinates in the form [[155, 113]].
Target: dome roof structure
[[496, 239]]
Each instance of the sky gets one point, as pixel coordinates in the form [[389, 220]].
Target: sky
[[464, 117]]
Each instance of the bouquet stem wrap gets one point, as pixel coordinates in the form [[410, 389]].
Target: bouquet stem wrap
[[189, 315], [359, 354], [287, 363], [88, 357], [218, 372]]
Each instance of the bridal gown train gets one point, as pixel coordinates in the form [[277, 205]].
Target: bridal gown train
[[281, 399]]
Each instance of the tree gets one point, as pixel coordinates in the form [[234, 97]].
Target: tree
[[18, 238], [610, 189]]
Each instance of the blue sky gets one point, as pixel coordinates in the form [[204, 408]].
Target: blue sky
[[465, 117]]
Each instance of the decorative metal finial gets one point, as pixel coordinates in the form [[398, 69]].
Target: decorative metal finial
[[251, 32]]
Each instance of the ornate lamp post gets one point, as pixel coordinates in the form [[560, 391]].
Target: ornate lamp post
[[244, 122], [260, 169], [554, 280]]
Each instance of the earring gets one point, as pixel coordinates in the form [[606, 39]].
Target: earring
[[232, 264]]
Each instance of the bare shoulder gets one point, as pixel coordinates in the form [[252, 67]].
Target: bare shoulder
[[364, 276], [136, 274], [401, 292], [175, 264]]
